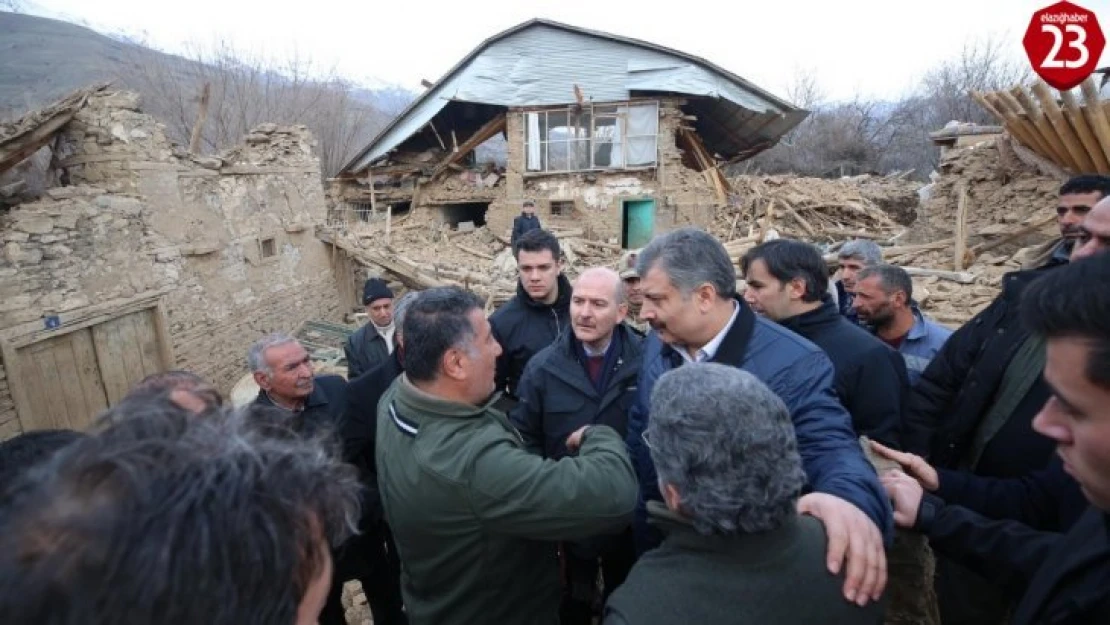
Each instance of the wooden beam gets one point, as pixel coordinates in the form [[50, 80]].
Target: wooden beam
[[961, 277], [1011, 120], [1044, 127], [443, 145], [961, 229], [1067, 135], [202, 116], [1006, 103], [1085, 133], [474, 252], [1014, 235], [13, 152], [488, 130], [1096, 116]]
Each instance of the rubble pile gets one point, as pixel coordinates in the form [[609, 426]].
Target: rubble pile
[[1008, 210], [816, 209]]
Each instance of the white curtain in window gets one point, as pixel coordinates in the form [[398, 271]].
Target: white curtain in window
[[535, 148], [616, 155], [642, 126]]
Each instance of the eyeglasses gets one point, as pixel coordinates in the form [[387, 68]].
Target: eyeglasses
[[647, 441]]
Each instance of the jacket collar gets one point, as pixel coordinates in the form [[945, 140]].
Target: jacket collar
[[757, 547], [919, 329], [417, 403], [315, 399], [562, 303], [735, 344], [824, 315]]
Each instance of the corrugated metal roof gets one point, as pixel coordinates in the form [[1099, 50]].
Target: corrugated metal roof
[[539, 62]]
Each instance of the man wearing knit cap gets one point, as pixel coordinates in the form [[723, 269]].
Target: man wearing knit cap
[[373, 342]]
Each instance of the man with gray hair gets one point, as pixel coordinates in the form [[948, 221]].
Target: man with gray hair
[[690, 300], [314, 406], [884, 301], [852, 258], [736, 550], [283, 371]]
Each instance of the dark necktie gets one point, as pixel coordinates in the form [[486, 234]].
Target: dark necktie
[[593, 367]]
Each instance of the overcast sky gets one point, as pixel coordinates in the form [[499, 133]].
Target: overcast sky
[[853, 46]]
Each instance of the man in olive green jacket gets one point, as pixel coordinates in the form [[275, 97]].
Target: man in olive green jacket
[[475, 516]]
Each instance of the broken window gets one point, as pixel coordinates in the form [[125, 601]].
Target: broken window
[[580, 138], [563, 208]]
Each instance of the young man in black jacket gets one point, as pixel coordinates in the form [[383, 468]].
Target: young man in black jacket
[[787, 282], [539, 312], [524, 223], [586, 377], [1063, 578]]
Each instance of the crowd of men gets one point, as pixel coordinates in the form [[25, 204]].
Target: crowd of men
[[644, 445]]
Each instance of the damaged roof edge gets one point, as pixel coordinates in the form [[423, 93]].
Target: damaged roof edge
[[427, 100]]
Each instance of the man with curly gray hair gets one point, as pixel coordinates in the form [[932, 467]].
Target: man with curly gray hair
[[736, 550]]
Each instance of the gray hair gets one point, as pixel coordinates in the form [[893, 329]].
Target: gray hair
[[401, 308], [256, 355], [862, 249], [118, 526], [726, 442], [891, 279], [690, 257]]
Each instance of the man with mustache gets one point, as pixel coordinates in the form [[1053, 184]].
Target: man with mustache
[[973, 407], [587, 377], [314, 405]]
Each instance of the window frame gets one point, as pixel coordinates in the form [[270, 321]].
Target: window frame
[[590, 140]]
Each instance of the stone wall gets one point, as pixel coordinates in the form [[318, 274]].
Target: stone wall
[[228, 241]]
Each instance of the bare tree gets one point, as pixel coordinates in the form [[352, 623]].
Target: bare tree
[[245, 91], [868, 135]]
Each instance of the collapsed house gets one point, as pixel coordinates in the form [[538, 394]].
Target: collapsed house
[[137, 257], [620, 137]]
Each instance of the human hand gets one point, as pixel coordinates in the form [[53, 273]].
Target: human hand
[[855, 540], [905, 493], [574, 441], [912, 464]]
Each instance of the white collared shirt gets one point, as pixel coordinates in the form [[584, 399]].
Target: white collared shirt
[[591, 353], [709, 350]]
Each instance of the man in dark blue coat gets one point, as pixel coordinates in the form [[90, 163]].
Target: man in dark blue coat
[[690, 300]]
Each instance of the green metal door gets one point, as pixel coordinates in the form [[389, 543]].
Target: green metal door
[[639, 222]]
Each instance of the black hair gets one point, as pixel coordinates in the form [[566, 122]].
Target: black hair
[[891, 279], [787, 259], [437, 320], [537, 240], [1087, 183]]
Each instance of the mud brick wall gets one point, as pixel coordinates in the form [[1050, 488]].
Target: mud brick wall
[[229, 241], [683, 196]]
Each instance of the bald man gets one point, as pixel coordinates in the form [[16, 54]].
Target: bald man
[[586, 377]]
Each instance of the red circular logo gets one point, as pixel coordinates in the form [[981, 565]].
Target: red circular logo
[[1064, 43]]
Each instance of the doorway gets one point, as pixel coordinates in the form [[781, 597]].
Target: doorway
[[474, 212], [63, 381], [637, 223]]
